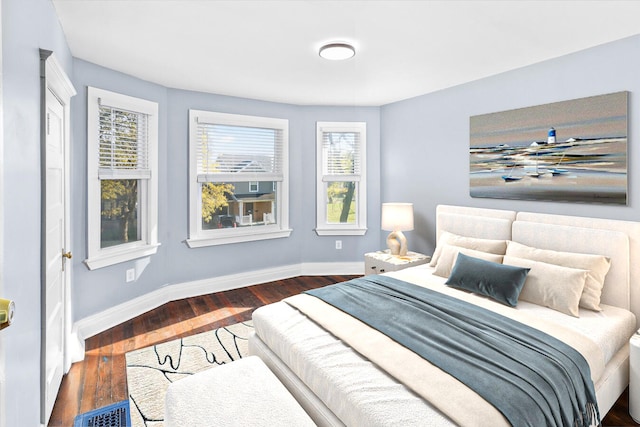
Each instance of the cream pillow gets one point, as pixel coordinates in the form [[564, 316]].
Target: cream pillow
[[597, 267], [550, 285], [449, 253], [484, 245]]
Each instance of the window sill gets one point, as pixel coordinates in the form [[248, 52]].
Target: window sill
[[340, 231], [116, 257], [199, 242]]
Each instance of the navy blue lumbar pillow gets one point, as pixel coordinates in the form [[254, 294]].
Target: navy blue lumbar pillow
[[500, 282]]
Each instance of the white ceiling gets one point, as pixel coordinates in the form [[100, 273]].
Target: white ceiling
[[269, 49]]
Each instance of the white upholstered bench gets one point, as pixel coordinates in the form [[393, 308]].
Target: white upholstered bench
[[241, 393]]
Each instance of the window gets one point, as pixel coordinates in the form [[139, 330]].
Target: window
[[238, 178], [122, 178], [341, 183]]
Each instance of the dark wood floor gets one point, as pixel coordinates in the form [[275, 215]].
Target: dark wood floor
[[100, 379]]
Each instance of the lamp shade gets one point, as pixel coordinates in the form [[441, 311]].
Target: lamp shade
[[397, 216]]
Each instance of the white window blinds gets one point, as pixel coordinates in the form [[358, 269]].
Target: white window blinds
[[124, 144], [341, 156], [233, 153]]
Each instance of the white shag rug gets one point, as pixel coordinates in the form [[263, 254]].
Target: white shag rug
[[150, 370]]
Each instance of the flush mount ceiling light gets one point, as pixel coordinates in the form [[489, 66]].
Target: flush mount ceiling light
[[337, 51]]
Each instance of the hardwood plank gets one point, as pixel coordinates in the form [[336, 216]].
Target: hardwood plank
[[104, 374], [87, 393], [619, 414], [100, 379], [118, 382], [67, 404]]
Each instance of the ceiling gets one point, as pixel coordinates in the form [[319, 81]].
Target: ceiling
[[268, 50]]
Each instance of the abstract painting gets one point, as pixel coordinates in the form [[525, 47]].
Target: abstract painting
[[565, 151]]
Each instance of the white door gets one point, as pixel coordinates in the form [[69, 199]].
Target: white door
[[56, 313], [56, 252]]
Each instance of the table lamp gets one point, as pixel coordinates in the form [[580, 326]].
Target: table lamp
[[397, 217]]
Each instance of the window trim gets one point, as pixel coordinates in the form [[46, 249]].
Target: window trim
[[323, 228], [202, 238], [148, 244]]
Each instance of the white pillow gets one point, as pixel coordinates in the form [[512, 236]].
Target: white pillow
[[597, 267], [484, 245], [550, 285], [449, 254]]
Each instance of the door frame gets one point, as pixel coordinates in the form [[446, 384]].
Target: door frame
[[3, 420], [54, 79]]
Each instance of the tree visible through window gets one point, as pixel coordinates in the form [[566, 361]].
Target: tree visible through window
[[119, 212], [341, 178], [122, 186], [341, 202], [215, 205], [340, 149], [123, 149], [239, 186]]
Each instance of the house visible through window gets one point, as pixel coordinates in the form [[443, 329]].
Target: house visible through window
[[239, 178], [341, 183], [122, 186]]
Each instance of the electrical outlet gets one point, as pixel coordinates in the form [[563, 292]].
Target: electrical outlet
[[131, 275], [338, 244]]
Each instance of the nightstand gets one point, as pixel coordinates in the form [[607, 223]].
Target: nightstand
[[382, 261]]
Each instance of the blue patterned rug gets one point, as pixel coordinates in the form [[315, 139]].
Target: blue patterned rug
[[152, 369]]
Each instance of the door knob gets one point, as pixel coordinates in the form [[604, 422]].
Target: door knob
[[66, 254]]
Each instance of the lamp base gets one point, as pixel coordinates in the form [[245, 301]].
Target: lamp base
[[397, 243]]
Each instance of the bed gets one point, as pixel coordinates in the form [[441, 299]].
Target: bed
[[317, 352]]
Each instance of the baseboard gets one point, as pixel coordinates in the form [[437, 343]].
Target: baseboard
[[92, 325], [334, 268]]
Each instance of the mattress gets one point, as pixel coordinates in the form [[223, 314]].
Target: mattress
[[359, 393]]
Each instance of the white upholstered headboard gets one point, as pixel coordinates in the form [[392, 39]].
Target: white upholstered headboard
[[474, 222], [618, 240]]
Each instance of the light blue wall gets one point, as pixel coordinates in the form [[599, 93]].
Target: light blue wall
[[27, 26], [94, 291], [175, 263], [425, 140]]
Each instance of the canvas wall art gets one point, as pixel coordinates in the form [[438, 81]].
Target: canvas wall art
[[572, 151]]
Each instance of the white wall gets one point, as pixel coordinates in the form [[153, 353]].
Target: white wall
[[425, 140], [27, 26]]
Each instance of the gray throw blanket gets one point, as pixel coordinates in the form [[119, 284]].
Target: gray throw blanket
[[533, 379]]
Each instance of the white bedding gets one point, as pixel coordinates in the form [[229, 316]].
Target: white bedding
[[610, 329], [359, 393]]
